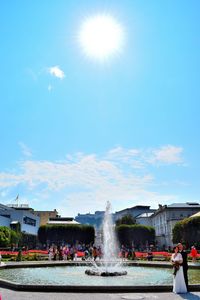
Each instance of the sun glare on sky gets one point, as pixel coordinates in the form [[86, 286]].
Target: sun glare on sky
[[101, 36]]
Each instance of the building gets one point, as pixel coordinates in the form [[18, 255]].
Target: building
[[164, 219], [45, 215], [95, 219], [144, 219], [62, 221], [134, 211], [22, 214]]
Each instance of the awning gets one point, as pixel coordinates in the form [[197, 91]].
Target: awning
[[14, 222]]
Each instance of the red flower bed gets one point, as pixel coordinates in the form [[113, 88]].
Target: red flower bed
[[38, 251], [82, 254], [79, 253], [24, 252], [144, 254]]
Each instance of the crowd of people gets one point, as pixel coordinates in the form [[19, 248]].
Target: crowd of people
[[71, 252], [88, 252]]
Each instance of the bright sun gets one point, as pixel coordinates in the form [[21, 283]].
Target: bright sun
[[100, 37]]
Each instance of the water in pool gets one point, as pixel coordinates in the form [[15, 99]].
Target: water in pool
[[66, 275]]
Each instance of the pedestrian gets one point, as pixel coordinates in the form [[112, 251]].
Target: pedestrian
[[123, 252], [179, 285], [94, 253], [194, 254], [50, 253]]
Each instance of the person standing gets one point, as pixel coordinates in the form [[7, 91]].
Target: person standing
[[94, 253], [184, 263], [179, 285], [194, 254]]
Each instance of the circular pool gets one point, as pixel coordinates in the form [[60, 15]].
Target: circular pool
[[75, 276]]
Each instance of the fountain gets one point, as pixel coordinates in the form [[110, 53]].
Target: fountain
[[110, 264], [71, 276]]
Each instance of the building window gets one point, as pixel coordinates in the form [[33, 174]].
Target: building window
[[29, 221]]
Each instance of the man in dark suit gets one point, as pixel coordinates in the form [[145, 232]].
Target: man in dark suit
[[185, 262]]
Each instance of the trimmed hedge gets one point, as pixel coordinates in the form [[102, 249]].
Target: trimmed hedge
[[66, 234], [187, 231], [137, 234]]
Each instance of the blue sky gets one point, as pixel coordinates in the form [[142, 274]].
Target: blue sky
[[76, 132]]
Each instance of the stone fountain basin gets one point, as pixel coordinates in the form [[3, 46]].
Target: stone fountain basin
[[83, 283]]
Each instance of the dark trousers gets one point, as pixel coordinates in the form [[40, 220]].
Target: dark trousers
[[185, 276]]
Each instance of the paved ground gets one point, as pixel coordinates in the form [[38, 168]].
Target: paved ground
[[12, 295]]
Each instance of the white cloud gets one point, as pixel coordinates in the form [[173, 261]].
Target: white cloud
[[57, 72], [85, 182], [167, 155]]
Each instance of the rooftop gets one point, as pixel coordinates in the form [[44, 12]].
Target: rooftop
[[182, 205], [134, 207], [145, 215], [62, 222]]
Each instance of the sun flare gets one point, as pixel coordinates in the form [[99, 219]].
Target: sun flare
[[101, 36]]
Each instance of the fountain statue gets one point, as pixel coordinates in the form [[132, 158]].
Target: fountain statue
[[110, 265]]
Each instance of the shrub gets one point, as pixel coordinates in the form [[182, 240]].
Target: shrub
[[66, 233], [137, 234], [5, 235], [188, 232]]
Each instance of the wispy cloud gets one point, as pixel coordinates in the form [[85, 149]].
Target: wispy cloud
[[167, 155], [57, 72], [87, 181], [25, 149], [139, 158]]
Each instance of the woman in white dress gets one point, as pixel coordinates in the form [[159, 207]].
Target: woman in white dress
[[179, 286]]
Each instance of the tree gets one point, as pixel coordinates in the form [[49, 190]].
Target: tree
[[15, 237], [187, 231], [5, 235], [127, 219]]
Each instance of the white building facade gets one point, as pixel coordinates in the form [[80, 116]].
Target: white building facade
[[164, 219], [11, 215]]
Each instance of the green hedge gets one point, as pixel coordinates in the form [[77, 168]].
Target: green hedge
[[66, 234], [187, 231], [28, 240], [137, 234]]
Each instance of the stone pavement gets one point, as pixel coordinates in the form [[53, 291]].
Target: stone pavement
[[13, 295]]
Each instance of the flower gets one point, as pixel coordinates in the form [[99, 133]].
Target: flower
[[176, 267]]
